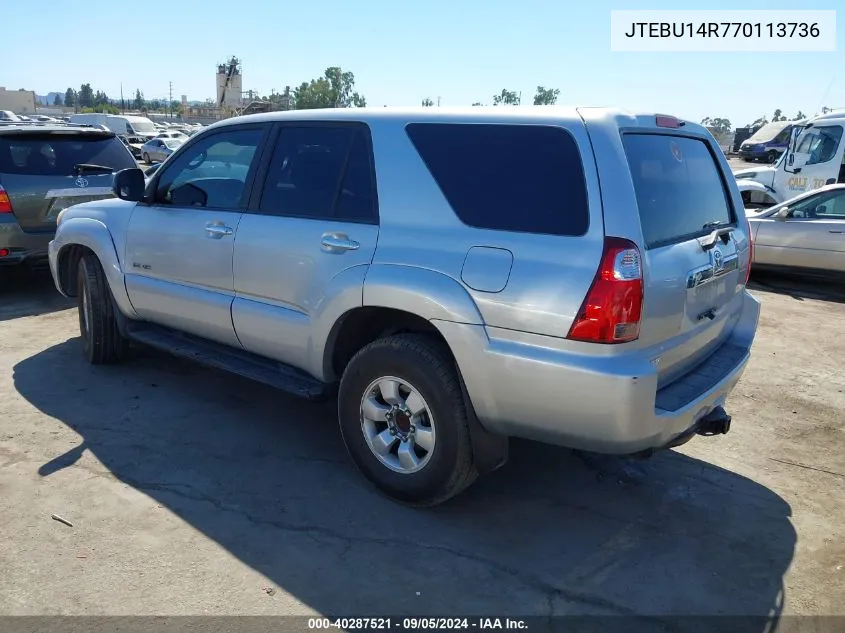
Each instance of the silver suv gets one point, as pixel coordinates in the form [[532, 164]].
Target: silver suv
[[571, 276]]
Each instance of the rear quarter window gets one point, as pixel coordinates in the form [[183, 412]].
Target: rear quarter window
[[58, 154], [679, 186], [521, 178]]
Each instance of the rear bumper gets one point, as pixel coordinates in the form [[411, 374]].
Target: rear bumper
[[593, 403], [26, 248]]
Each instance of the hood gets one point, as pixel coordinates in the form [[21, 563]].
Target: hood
[[762, 175]]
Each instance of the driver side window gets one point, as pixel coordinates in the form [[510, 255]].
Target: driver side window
[[826, 206], [210, 173]]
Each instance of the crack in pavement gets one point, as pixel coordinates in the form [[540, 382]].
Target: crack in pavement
[[347, 541]]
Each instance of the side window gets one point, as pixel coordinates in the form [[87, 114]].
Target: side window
[[825, 145], [523, 178], [320, 172], [824, 206], [210, 173], [782, 138]]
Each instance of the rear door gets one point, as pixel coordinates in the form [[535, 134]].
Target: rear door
[[693, 282], [37, 172]]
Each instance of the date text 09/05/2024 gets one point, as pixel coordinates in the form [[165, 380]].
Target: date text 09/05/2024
[[417, 624], [723, 29]]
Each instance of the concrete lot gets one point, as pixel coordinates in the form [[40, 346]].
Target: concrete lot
[[194, 492]]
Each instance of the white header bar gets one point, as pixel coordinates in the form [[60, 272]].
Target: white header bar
[[722, 31]]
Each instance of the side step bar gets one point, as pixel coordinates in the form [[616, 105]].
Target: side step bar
[[241, 362]]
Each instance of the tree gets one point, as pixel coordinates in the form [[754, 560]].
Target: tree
[[427, 103], [546, 96], [100, 99], [138, 102], [85, 96], [70, 97], [335, 89], [759, 122], [57, 100], [507, 97], [799, 116], [717, 125], [825, 109], [778, 116], [155, 105]]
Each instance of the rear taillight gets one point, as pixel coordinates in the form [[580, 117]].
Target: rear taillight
[[5, 203], [750, 254], [612, 311]]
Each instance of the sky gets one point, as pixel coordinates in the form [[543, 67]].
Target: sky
[[460, 51]]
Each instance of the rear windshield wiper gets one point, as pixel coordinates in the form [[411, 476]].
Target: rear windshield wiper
[[720, 231], [82, 168]]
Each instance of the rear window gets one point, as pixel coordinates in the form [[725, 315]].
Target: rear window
[[522, 178], [680, 191], [57, 154]]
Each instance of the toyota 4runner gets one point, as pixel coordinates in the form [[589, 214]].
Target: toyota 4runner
[[454, 277]]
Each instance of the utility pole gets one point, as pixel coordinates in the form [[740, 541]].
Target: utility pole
[[438, 102], [170, 101]]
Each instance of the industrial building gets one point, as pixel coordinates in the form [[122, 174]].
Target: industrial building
[[18, 101]]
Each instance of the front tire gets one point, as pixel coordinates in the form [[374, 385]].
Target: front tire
[[404, 421], [101, 338], [146, 158]]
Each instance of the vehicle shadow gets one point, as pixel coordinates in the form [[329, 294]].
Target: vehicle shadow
[[798, 287], [28, 293], [267, 478]]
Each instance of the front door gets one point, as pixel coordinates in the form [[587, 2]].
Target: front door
[[811, 236], [303, 251], [179, 246], [814, 163]]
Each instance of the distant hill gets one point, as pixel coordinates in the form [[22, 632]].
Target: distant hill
[[48, 98]]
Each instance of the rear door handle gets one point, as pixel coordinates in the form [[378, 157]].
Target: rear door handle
[[832, 231], [217, 231], [338, 243]]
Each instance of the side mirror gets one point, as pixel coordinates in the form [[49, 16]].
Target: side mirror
[[129, 184], [783, 214]]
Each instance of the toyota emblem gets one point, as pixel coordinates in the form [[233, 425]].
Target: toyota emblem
[[81, 182], [717, 260]]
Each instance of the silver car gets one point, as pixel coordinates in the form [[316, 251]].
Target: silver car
[[158, 149], [804, 234], [453, 277]]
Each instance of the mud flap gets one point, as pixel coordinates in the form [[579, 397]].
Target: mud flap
[[490, 451]]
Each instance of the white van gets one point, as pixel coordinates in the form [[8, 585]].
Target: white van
[[125, 125]]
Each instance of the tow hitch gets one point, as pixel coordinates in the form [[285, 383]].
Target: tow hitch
[[717, 422]]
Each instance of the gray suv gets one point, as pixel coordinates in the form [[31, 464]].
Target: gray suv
[[454, 277]]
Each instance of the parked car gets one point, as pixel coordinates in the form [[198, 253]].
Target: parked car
[[805, 234], [43, 170], [8, 115], [158, 149], [135, 145], [768, 143], [455, 277], [172, 134]]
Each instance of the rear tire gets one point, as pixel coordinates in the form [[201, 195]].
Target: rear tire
[[427, 385], [101, 338], [146, 158]]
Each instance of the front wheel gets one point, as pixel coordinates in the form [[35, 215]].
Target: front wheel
[[404, 421], [101, 338], [146, 158], [772, 157]]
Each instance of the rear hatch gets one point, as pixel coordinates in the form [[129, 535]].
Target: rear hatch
[[38, 171], [696, 248]]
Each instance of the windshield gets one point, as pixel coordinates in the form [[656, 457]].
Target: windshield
[[768, 132], [57, 154], [143, 127]]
